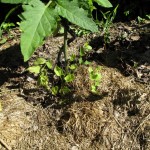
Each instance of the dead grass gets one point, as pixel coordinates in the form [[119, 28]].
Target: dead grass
[[117, 120]]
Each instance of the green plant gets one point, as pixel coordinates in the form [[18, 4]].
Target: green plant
[[5, 25], [41, 67], [127, 12], [62, 77], [79, 31], [140, 20], [107, 21], [49, 18], [148, 16], [95, 77]]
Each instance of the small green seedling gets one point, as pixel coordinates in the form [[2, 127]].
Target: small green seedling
[[83, 51], [148, 16], [127, 12], [49, 17], [95, 77], [41, 67], [140, 20], [108, 18]]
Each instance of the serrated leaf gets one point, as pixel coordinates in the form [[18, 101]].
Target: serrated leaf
[[14, 1], [58, 71], [69, 78], [104, 3], [39, 61], [34, 69], [73, 13], [39, 22]]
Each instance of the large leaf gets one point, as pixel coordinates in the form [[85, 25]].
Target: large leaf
[[14, 1], [40, 21], [72, 12], [104, 3]]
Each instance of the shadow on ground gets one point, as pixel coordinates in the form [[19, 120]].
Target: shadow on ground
[[122, 54], [11, 63]]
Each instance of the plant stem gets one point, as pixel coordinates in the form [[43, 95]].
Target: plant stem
[[65, 45], [47, 5]]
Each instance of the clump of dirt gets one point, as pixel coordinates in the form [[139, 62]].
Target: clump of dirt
[[117, 117]]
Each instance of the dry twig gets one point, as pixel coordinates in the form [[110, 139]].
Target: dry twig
[[3, 143]]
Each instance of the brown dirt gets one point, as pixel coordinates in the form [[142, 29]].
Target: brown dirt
[[117, 118]]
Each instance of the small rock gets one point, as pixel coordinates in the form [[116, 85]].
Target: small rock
[[74, 148], [135, 37]]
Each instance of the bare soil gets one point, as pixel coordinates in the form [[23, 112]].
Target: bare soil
[[118, 117]]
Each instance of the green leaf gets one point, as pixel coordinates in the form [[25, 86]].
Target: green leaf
[[69, 78], [49, 64], [72, 58], [95, 76], [87, 47], [87, 62], [14, 1], [82, 52], [7, 26], [1, 32], [39, 61], [43, 79], [34, 69], [73, 13], [58, 71], [97, 83], [39, 22], [54, 90], [4, 40], [73, 66], [93, 89], [148, 16], [64, 90], [104, 3], [80, 60]]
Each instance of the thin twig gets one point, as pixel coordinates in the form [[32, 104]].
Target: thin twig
[[146, 118], [5, 144]]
